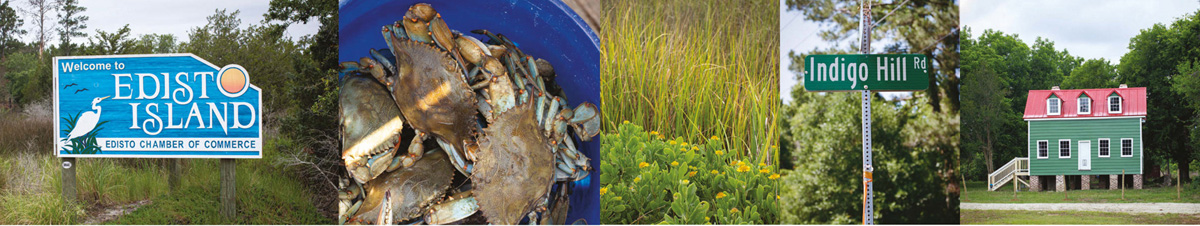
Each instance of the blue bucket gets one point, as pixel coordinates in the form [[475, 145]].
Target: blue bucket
[[545, 29]]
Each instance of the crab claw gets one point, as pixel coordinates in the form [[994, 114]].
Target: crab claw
[[586, 121], [559, 129]]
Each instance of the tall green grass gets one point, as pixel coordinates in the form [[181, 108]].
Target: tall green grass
[[694, 69], [31, 184]]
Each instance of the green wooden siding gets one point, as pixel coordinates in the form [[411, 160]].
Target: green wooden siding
[[1085, 129]]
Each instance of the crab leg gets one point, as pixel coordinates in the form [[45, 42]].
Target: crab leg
[[573, 153], [457, 159], [550, 115], [416, 149], [586, 121], [541, 106], [382, 60]]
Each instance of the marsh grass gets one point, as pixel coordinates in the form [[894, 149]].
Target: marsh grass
[[31, 185], [694, 69]]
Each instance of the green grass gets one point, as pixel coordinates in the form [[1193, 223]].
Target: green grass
[[694, 69], [31, 185], [976, 192], [1072, 217]]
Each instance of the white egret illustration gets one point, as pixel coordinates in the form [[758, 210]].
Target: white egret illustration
[[85, 123]]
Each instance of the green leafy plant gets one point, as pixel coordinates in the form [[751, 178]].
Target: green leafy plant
[[651, 179], [85, 144]]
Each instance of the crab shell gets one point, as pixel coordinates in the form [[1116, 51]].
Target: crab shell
[[412, 189], [371, 127], [432, 93], [515, 167]]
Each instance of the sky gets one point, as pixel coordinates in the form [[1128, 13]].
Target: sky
[[797, 34], [168, 17], [1085, 28]]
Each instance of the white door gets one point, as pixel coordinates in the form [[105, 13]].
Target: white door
[[1085, 155]]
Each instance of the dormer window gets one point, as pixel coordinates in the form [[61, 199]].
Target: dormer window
[[1053, 106], [1085, 105], [1114, 103]]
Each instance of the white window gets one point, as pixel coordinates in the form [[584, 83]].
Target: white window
[[1103, 147], [1052, 106], [1085, 105], [1114, 104], [1126, 147], [1064, 148], [1043, 149]]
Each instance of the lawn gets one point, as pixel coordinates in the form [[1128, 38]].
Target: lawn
[[1071, 217], [976, 192]]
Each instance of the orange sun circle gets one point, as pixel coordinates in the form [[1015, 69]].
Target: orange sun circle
[[233, 81]]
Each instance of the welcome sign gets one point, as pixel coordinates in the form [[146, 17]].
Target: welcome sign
[[155, 106], [877, 72]]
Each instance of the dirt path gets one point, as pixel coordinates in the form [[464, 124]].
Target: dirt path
[[109, 213], [1184, 208]]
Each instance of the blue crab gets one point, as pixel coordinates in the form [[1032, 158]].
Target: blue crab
[[406, 193], [370, 128]]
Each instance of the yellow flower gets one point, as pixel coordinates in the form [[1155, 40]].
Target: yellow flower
[[777, 197], [674, 163], [740, 163], [773, 176], [643, 165], [692, 174], [715, 172], [672, 142], [762, 164], [706, 219], [734, 210], [764, 170], [719, 152], [685, 181], [695, 148], [682, 149], [715, 138], [618, 198], [636, 179], [660, 137], [743, 169], [721, 195], [684, 144], [653, 132], [626, 122], [604, 190]]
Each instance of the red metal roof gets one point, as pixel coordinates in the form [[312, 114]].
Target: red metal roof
[[1133, 102]]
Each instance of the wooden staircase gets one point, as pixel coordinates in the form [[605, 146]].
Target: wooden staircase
[[1013, 170]]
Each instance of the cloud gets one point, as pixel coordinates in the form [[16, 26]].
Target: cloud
[[1089, 29]]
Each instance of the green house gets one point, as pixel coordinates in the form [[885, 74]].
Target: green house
[[1080, 135]]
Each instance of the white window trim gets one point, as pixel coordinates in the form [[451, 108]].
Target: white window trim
[[1120, 104], [1123, 147], [1108, 149], [1059, 103], [1060, 142], [1039, 150], [1080, 105]]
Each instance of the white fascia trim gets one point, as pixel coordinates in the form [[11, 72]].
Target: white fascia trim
[[1084, 118]]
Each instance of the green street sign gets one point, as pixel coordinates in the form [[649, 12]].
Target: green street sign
[[876, 72]]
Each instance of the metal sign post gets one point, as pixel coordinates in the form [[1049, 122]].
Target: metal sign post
[[866, 73], [868, 197]]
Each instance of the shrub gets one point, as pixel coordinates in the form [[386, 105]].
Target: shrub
[[650, 179]]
